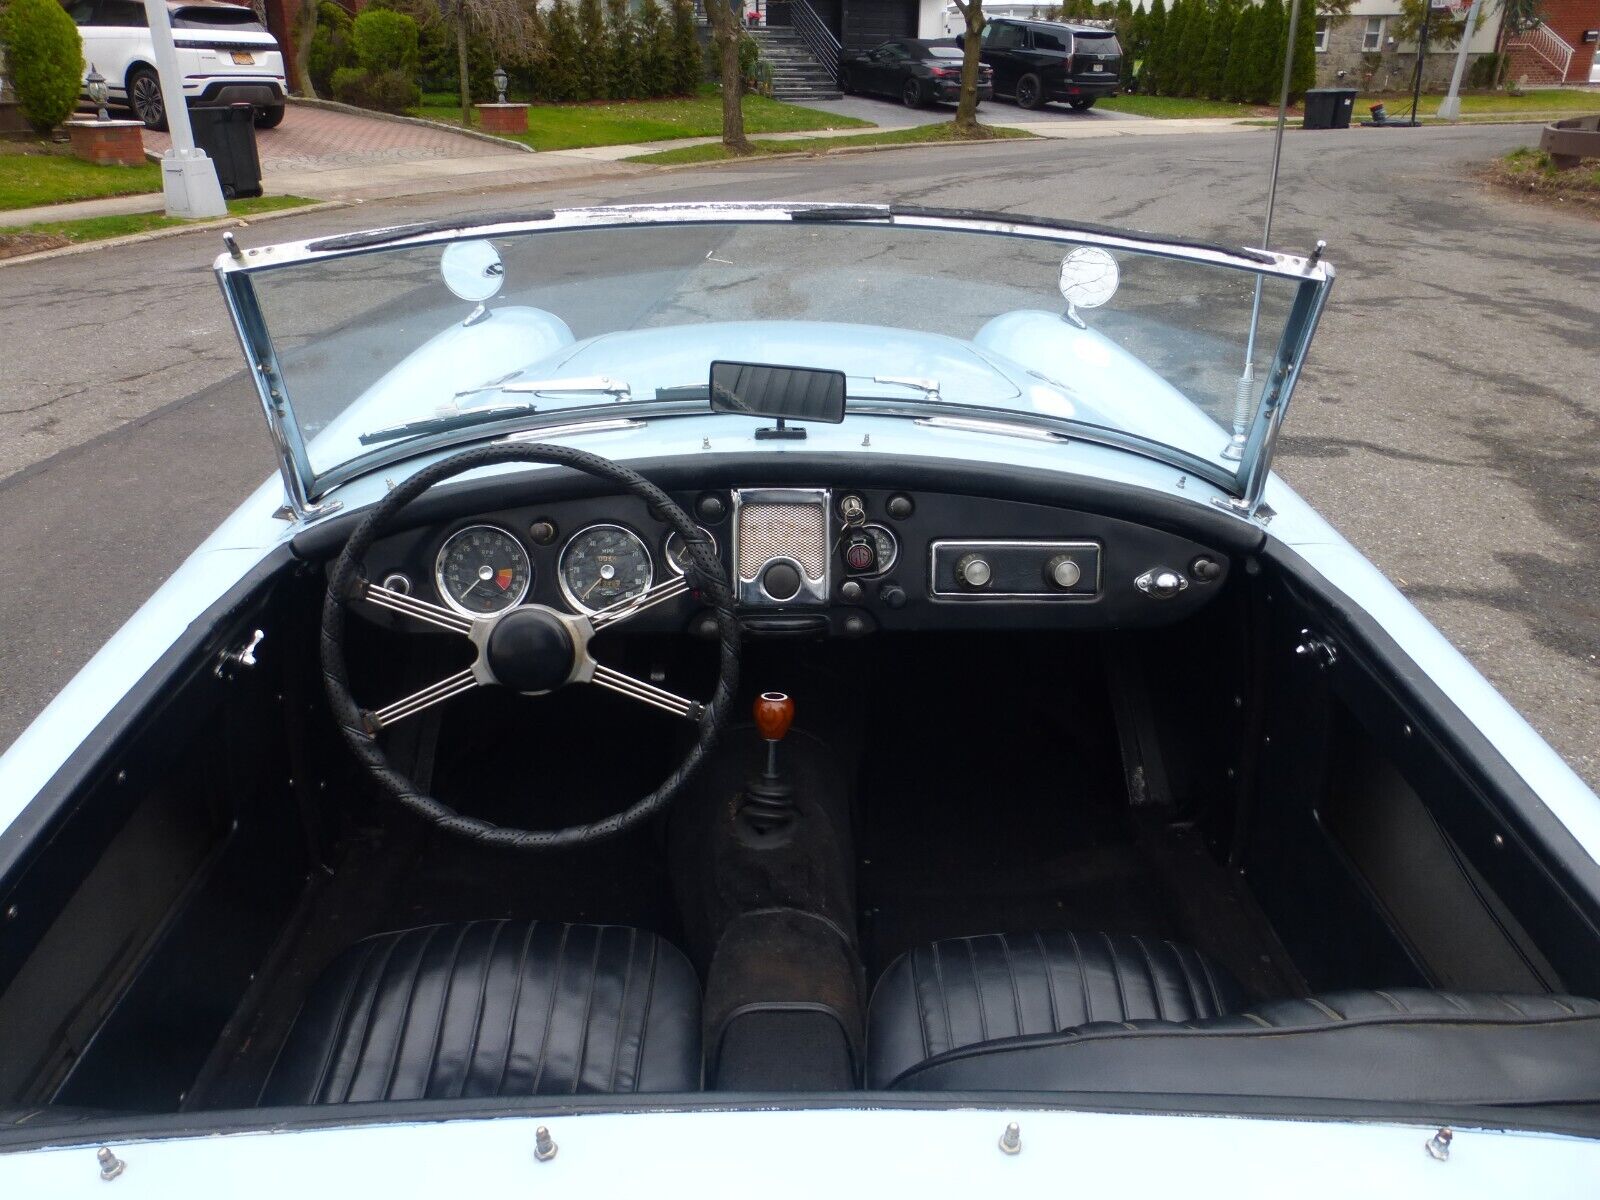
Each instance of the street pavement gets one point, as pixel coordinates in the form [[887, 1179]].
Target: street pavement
[[1447, 421]]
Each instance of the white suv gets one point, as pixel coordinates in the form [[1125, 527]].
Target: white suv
[[224, 52]]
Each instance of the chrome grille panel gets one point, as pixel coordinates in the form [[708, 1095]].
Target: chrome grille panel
[[781, 524], [769, 531]]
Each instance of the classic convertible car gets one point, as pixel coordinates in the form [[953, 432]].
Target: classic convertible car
[[787, 696]]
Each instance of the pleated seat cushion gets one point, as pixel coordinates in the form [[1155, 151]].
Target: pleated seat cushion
[[494, 1008]]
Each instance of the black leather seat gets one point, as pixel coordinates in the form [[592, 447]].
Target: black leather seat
[[1012, 1014], [495, 1008], [966, 991]]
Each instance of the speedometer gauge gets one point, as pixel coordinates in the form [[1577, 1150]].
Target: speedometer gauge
[[604, 565], [482, 569]]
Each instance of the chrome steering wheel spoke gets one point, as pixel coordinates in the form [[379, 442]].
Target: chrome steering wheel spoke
[[648, 693], [420, 610], [659, 594], [434, 693]]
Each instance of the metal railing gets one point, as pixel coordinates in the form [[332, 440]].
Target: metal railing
[[1548, 45], [816, 35]]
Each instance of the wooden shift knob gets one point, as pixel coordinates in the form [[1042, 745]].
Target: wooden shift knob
[[774, 713]]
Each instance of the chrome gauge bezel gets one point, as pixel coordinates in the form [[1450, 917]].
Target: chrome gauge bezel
[[444, 549], [566, 548], [884, 566], [666, 551]]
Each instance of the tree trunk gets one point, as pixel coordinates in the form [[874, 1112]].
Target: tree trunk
[[967, 107], [305, 31], [461, 63], [725, 35]]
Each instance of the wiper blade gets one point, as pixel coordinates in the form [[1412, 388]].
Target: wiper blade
[[444, 424], [587, 385]]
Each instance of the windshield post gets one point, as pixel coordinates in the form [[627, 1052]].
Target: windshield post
[[261, 358], [1284, 373]]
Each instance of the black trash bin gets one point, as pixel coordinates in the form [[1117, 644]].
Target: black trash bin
[[1329, 108], [227, 133]]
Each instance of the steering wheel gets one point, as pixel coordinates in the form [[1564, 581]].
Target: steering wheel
[[530, 648]]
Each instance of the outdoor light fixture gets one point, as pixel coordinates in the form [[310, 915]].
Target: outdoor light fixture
[[500, 81], [95, 85]]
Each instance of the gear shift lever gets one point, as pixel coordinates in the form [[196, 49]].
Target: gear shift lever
[[768, 799]]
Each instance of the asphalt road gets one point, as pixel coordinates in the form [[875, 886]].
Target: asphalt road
[[1448, 421]]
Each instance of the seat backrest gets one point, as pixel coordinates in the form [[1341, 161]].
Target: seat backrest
[[1405, 1044]]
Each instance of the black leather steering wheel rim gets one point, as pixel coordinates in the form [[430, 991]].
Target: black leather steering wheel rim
[[701, 569]]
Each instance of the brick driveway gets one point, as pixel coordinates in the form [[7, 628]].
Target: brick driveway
[[318, 139]]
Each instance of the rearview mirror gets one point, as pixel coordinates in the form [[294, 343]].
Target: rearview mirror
[[793, 393], [1089, 278], [472, 270]]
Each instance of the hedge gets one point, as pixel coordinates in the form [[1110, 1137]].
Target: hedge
[[44, 57]]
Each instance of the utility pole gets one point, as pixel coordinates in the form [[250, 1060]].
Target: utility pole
[[188, 177], [1450, 109]]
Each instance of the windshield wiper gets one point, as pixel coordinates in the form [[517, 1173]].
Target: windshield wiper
[[928, 387], [587, 385], [459, 420]]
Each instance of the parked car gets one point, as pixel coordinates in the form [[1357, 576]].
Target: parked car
[[224, 51], [786, 698], [1036, 62], [914, 72]]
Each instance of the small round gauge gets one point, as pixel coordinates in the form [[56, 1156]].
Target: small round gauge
[[482, 569], [870, 550], [604, 565], [675, 551]]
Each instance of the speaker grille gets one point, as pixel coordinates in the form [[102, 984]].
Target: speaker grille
[[769, 531]]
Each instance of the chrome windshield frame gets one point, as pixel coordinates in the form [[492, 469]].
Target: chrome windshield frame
[[304, 489]]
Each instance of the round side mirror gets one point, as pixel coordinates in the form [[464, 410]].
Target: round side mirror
[[1089, 278], [472, 270]]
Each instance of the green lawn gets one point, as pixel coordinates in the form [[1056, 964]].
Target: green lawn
[[918, 135], [39, 173], [93, 229], [615, 123], [1532, 171], [1530, 105], [1176, 107]]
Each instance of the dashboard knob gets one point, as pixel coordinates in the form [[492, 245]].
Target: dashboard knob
[[850, 591], [901, 507], [1063, 571], [892, 595], [711, 507], [1162, 583], [974, 571], [781, 581]]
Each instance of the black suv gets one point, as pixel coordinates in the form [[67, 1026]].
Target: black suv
[[1036, 62]]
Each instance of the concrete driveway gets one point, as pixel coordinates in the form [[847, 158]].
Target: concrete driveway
[[1447, 421], [891, 114]]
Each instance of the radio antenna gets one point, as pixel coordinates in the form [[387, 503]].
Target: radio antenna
[[1241, 396]]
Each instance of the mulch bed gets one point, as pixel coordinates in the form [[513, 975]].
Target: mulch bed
[[13, 245]]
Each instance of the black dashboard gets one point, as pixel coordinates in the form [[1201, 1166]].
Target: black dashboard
[[814, 561]]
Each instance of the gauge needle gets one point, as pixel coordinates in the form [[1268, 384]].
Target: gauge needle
[[592, 587]]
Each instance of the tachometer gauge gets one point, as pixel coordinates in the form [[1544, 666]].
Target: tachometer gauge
[[604, 565], [482, 569], [676, 552]]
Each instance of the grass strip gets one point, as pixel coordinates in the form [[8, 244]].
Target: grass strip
[[48, 235], [621, 122], [33, 173], [915, 136], [1533, 173]]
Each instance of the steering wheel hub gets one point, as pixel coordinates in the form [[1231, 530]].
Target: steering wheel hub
[[530, 650]]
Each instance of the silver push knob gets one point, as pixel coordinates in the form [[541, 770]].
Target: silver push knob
[[974, 571], [1163, 583], [1063, 571]]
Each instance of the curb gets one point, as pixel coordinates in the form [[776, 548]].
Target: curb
[[353, 110], [152, 235], [840, 151]]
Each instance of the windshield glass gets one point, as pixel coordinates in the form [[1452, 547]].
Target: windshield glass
[[375, 350]]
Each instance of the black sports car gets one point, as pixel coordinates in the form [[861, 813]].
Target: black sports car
[[915, 72]]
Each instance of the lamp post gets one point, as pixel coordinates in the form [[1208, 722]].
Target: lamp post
[[188, 176], [95, 84], [501, 79]]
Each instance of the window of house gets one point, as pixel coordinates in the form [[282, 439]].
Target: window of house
[[1372, 39], [1322, 34]]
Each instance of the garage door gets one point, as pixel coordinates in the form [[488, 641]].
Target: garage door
[[868, 22]]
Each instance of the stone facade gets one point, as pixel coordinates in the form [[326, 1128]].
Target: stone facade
[[1388, 69]]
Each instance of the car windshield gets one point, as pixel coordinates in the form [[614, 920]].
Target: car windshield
[[1152, 345]]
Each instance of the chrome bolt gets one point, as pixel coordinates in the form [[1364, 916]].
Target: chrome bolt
[[1011, 1139], [1438, 1146], [110, 1165], [544, 1146]]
